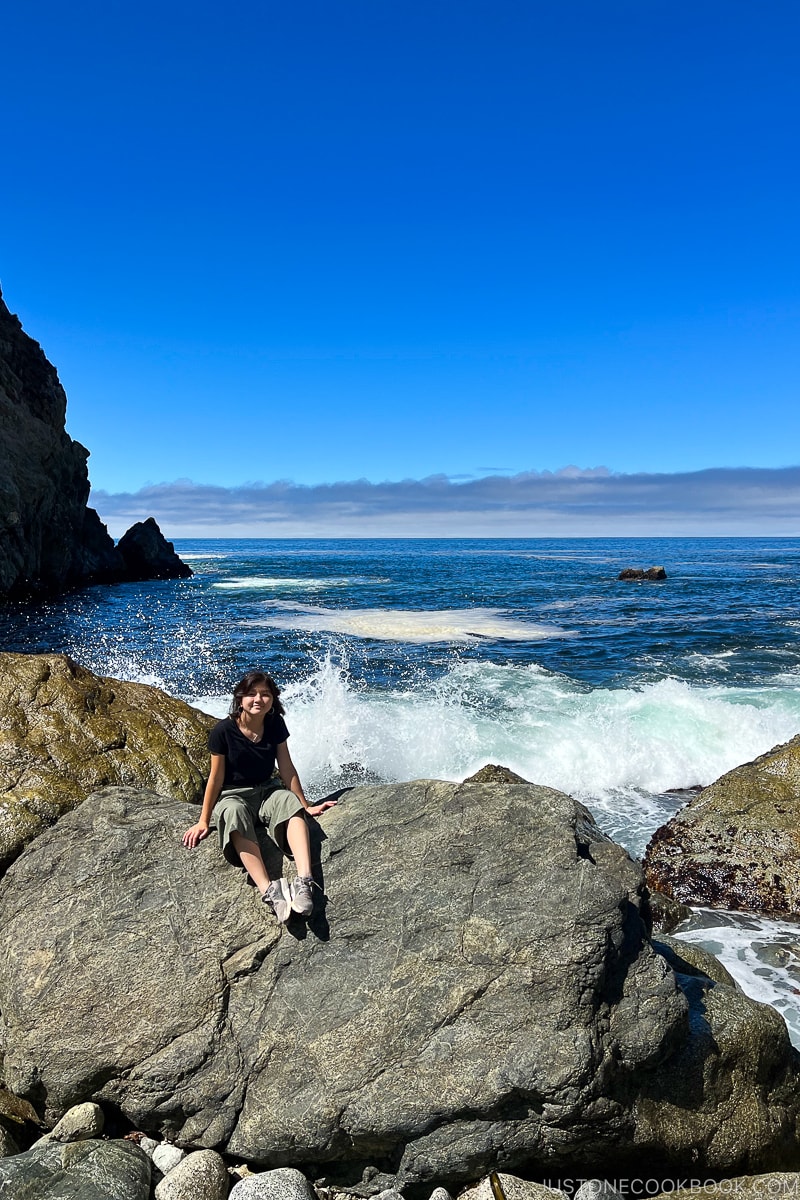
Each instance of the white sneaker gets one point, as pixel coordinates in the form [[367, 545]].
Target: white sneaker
[[300, 891], [278, 899]]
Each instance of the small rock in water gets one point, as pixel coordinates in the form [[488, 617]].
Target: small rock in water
[[652, 573], [199, 1176], [166, 1157], [440, 1193], [284, 1183], [666, 912]]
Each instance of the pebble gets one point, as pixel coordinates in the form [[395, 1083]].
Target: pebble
[[597, 1189], [284, 1183], [166, 1157], [199, 1176]]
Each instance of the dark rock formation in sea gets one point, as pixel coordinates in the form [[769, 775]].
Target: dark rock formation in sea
[[148, 555], [478, 993], [736, 844], [49, 540], [67, 732], [651, 573]]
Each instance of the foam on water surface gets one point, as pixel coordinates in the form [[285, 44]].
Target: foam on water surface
[[620, 751], [279, 583], [761, 954], [405, 625]]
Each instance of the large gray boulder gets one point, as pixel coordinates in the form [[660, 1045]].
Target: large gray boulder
[[479, 994], [736, 845]]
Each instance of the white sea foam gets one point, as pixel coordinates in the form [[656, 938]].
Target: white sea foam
[[762, 955], [192, 555], [619, 751], [278, 583], [405, 625]]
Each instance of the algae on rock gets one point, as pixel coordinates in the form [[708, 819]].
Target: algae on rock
[[737, 844], [65, 732]]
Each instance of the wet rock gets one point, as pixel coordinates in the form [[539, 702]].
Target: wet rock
[[85, 1170], [508, 1006], [650, 573], [666, 913], [282, 1184], [737, 844], [688, 959], [65, 732], [148, 555], [200, 1176], [494, 773]]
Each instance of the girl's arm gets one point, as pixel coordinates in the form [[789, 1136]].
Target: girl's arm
[[291, 781], [216, 778]]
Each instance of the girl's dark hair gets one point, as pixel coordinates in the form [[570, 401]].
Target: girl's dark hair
[[243, 687]]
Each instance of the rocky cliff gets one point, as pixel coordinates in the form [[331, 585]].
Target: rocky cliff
[[49, 540]]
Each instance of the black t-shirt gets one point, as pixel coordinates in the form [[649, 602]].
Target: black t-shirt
[[247, 763]]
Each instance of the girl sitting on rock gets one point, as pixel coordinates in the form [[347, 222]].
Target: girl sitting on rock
[[244, 749]]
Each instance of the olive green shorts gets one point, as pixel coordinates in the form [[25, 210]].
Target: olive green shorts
[[242, 809]]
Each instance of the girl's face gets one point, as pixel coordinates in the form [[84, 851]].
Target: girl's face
[[258, 700]]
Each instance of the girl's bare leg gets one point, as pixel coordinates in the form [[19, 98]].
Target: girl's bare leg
[[297, 837], [250, 854]]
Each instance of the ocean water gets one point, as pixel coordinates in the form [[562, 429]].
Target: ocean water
[[402, 659]]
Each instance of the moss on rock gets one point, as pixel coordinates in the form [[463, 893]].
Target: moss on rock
[[65, 732]]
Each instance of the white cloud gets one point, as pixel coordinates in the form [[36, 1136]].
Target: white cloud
[[590, 502]]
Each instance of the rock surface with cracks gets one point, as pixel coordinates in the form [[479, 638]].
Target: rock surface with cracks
[[479, 993]]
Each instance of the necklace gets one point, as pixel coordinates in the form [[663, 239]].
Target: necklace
[[251, 734]]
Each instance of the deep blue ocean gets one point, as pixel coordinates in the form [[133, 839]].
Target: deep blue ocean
[[404, 659]]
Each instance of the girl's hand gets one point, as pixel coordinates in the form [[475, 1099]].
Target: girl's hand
[[195, 834], [314, 810]]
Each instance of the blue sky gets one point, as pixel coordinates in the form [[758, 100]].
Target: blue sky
[[376, 241]]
